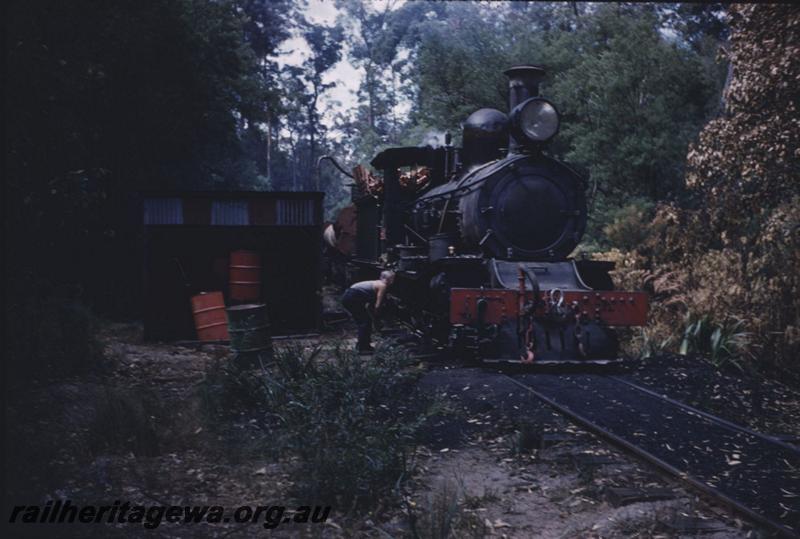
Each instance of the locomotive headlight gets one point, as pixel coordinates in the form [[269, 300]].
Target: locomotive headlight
[[536, 119]]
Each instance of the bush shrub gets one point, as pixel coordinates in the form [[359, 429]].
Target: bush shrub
[[628, 226], [729, 258], [50, 333], [123, 423], [348, 422]]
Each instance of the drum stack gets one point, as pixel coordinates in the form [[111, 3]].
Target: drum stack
[[245, 323]]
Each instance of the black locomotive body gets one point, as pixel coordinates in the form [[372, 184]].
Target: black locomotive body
[[481, 250]]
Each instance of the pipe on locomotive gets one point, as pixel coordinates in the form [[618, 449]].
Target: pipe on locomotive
[[532, 120], [523, 83]]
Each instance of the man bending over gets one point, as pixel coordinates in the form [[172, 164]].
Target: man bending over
[[358, 298]]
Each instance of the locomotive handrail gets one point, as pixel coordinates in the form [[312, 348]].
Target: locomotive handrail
[[465, 190]]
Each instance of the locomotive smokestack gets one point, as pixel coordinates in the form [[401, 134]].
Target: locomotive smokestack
[[523, 82]]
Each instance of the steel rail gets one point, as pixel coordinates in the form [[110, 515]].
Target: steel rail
[[665, 466], [714, 419]]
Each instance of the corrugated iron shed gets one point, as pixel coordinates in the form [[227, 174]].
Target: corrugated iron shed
[[188, 237]]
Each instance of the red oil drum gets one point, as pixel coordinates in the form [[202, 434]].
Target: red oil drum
[[245, 276], [210, 318]]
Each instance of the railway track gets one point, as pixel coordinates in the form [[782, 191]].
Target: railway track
[[748, 471], [751, 472]]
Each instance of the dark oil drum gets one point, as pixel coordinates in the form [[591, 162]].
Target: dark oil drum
[[245, 276], [248, 326]]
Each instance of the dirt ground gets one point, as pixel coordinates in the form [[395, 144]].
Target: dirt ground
[[522, 470], [501, 465]]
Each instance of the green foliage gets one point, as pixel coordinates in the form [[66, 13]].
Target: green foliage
[[730, 249], [627, 227], [349, 421], [460, 58], [631, 96], [720, 343], [304, 135], [383, 41], [651, 346], [696, 21], [631, 102], [599, 61]]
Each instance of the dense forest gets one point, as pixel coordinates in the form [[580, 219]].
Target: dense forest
[[108, 99]]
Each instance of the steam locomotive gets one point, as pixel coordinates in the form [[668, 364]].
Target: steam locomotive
[[481, 246]]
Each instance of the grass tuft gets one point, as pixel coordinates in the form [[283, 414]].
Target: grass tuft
[[122, 423], [444, 515], [348, 423]]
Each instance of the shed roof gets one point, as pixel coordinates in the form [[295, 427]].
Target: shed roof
[[232, 208], [231, 194]]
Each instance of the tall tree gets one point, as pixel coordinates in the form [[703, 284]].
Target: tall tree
[[631, 103], [631, 97], [379, 44], [120, 97], [325, 45], [266, 24]]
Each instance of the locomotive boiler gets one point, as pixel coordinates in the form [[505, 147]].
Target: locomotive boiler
[[480, 238]]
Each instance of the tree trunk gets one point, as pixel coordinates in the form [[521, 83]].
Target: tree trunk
[[371, 94], [312, 141], [269, 147]]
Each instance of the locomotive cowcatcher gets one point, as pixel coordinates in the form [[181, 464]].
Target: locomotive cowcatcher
[[481, 244]]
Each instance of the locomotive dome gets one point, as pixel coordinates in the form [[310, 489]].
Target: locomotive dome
[[485, 136]]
